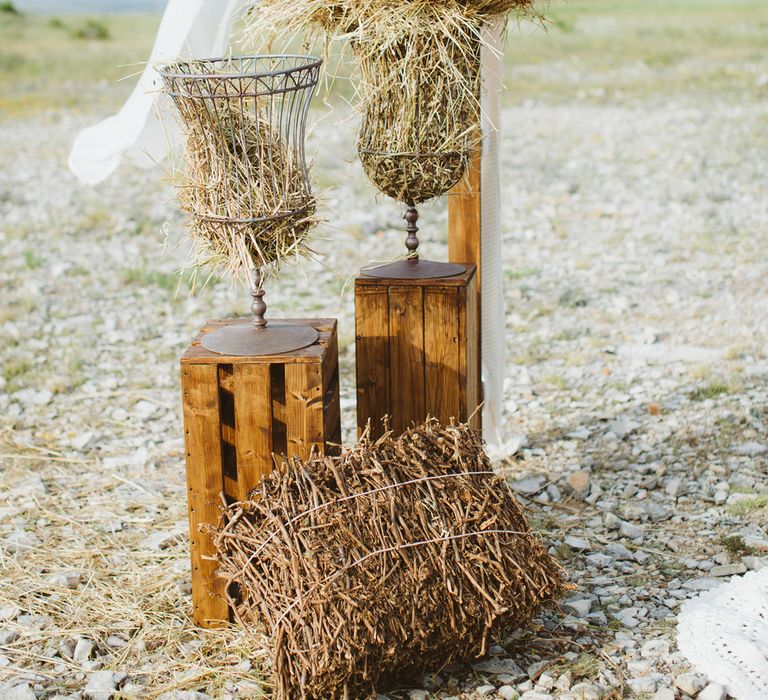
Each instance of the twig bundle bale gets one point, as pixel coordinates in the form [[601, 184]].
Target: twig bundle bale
[[245, 183], [418, 80], [402, 555]]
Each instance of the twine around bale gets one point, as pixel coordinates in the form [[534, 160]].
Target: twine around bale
[[401, 555]]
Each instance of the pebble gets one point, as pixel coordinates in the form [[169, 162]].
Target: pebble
[[498, 666], [65, 579], [728, 570], [690, 683], [507, 692], [101, 685], [633, 532], [578, 543], [578, 606], [750, 449], [20, 541], [579, 482], [587, 691], [485, 690], [664, 694], [655, 648], [83, 650], [19, 692], [714, 691]]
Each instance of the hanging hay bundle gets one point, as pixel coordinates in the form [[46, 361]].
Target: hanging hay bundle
[[418, 80], [245, 183], [400, 556]]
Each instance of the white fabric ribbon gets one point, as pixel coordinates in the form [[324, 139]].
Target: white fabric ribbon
[[189, 29]]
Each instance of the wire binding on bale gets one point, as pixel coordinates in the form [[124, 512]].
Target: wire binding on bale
[[400, 556]]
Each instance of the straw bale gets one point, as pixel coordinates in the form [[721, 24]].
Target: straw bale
[[402, 555]]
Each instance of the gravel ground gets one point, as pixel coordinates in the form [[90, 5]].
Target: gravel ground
[[637, 320]]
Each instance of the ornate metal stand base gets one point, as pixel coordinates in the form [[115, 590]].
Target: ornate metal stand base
[[413, 268], [242, 338]]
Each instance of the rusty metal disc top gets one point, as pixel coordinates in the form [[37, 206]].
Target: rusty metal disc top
[[413, 269], [244, 338]]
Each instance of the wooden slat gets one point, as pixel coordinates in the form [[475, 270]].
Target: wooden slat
[[441, 352], [204, 482], [304, 409], [253, 425], [474, 382], [332, 412], [464, 217], [406, 333], [372, 355]]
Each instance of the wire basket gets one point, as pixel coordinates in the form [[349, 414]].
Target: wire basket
[[246, 182]]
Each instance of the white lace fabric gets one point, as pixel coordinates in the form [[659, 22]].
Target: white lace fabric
[[724, 634]]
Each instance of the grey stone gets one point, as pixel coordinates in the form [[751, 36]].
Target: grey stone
[[728, 570], [20, 541], [587, 691], [578, 543], [498, 666], [690, 683], [664, 694], [19, 692], [578, 606], [675, 487], [507, 692], [83, 650], [611, 521], [529, 486], [618, 551], [485, 690], [655, 648], [714, 691], [750, 449], [634, 532], [101, 685], [9, 612]]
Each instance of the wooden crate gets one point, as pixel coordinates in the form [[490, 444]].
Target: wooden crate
[[417, 350], [238, 412]]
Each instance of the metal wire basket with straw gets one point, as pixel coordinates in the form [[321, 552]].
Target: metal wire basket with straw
[[245, 183]]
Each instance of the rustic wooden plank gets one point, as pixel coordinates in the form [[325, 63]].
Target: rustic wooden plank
[[474, 384], [406, 347], [372, 355], [253, 425], [464, 217], [202, 435], [304, 409], [441, 352]]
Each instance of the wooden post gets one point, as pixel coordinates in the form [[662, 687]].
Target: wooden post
[[240, 414], [416, 350]]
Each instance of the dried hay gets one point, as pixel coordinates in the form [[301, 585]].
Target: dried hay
[[245, 188], [403, 555], [418, 80]]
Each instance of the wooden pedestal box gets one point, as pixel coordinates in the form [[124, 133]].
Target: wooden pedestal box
[[417, 350], [238, 412]]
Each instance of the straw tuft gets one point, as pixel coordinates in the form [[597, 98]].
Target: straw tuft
[[245, 183], [402, 555], [418, 80]]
